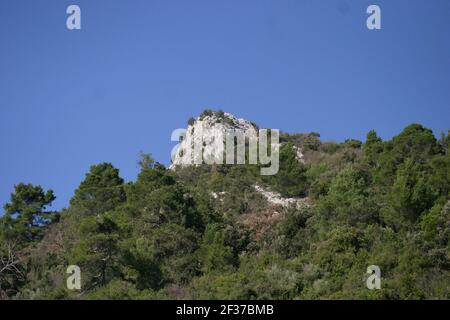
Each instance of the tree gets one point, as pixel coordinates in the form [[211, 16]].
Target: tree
[[440, 175], [173, 249], [213, 254], [26, 215], [146, 161], [206, 232], [353, 143], [12, 274], [102, 190], [412, 193], [436, 224], [291, 178], [349, 200], [372, 148], [97, 251], [160, 198], [291, 233], [415, 142], [444, 141]]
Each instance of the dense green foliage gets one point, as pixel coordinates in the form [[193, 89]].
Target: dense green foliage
[[205, 232]]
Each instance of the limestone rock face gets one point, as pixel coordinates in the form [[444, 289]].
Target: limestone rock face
[[207, 134], [299, 154], [204, 139], [276, 199]]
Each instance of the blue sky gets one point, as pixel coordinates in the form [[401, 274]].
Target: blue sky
[[139, 69]]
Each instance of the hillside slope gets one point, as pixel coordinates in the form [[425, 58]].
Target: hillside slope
[[227, 232]]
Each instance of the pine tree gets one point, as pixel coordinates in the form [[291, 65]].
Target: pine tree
[[26, 215]]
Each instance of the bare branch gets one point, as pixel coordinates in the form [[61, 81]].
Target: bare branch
[[9, 261]]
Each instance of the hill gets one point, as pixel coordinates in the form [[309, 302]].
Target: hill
[[227, 232]]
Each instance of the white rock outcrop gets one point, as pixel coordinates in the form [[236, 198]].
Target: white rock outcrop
[[207, 133], [276, 199], [203, 142], [299, 154]]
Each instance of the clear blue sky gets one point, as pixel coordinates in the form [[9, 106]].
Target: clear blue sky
[[140, 68]]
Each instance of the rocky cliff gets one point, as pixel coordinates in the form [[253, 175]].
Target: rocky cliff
[[207, 132]]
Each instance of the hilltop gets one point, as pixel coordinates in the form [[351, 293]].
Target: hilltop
[[228, 232]]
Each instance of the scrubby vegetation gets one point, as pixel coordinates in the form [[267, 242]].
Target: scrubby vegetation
[[205, 232]]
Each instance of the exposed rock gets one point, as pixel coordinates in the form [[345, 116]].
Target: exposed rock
[[276, 199], [300, 156], [207, 132], [218, 195]]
